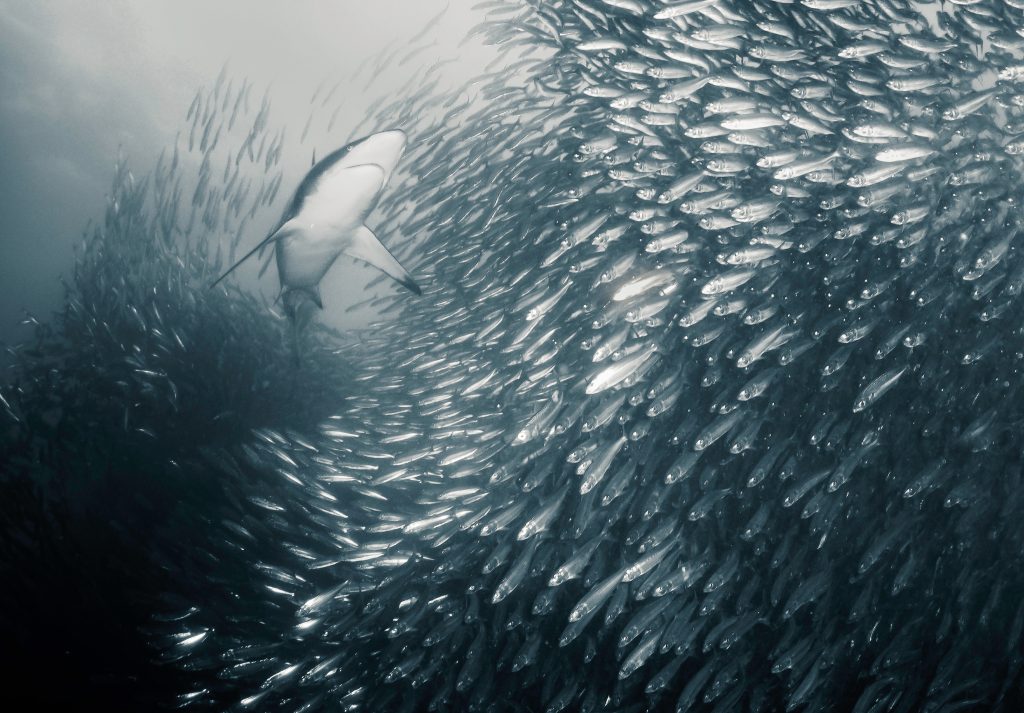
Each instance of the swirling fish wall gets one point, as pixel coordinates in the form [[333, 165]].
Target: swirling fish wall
[[710, 401]]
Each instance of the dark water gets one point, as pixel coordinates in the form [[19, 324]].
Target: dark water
[[710, 401]]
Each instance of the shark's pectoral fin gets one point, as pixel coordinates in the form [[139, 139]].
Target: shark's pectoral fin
[[365, 246], [281, 231], [266, 264]]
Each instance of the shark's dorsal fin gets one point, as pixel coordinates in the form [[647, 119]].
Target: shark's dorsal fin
[[365, 246]]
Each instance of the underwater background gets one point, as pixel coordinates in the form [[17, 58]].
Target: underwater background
[[710, 402]]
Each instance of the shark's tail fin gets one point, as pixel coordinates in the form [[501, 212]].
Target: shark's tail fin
[[296, 343], [300, 304]]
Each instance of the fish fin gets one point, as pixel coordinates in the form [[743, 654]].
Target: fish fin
[[365, 246], [279, 233], [266, 264], [313, 293]]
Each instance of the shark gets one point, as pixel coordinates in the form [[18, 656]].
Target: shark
[[325, 219]]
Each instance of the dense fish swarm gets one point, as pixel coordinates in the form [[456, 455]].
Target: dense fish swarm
[[711, 401]]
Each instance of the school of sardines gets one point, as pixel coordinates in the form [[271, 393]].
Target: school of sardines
[[711, 402]]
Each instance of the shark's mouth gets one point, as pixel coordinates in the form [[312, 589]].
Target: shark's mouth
[[709, 401]]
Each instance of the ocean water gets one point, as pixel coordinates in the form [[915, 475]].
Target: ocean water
[[709, 401]]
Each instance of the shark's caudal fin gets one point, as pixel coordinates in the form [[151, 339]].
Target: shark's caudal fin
[[279, 233], [300, 304], [365, 246]]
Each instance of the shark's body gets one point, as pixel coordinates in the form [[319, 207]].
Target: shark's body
[[324, 219]]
